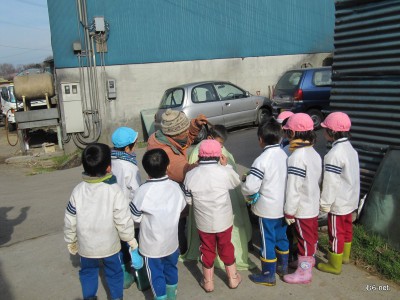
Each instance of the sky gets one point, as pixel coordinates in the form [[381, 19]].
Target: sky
[[24, 32]]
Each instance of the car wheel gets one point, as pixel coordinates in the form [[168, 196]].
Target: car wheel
[[316, 116], [262, 114]]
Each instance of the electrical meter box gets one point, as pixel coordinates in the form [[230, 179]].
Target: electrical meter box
[[111, 89], [72, 104], [99, 25]]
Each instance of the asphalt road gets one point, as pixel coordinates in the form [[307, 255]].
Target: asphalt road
[[35, 264]]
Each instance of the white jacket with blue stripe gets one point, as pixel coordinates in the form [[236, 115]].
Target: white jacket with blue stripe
[[97, 217], [267, 176], [341, 185], [303, 180], [157, 207]]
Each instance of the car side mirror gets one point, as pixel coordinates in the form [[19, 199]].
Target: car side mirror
[[247, 94]]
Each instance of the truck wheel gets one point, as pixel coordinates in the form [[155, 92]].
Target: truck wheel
[[262, 114], [316, 116]]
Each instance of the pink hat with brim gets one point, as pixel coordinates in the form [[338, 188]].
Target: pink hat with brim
[[299, 122], [284, 115], [337, 121], [210, 148]]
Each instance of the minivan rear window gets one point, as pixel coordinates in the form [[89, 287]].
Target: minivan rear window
[[172, 98], [289, 81], [322, 78]]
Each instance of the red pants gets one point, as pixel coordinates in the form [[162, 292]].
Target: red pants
[[307, 236], [340, 230], [221, 241]]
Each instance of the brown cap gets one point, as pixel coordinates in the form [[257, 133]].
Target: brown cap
[[174, 122]]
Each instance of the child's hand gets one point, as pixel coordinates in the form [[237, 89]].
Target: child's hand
[[133, 244], [244, 176], [223, 160], [73, 248], [252, 199], [325, 209], [289, 221]]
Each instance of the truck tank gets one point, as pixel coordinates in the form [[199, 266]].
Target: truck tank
[[33, 86]]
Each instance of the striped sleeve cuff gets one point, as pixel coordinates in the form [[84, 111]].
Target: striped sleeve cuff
[[71, 209], [134, 210], [256, 172], [333, 169], [297, 171]]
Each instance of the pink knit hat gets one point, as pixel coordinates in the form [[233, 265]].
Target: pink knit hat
[[210, 148], [337, 121], [299, 122], [284, 115]]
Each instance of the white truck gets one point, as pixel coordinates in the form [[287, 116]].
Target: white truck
[[9, 105]]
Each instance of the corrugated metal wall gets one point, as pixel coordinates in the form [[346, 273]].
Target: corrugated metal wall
[[366, 77], [148, 31]]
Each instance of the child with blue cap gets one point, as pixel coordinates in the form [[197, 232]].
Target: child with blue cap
[[124, 168]]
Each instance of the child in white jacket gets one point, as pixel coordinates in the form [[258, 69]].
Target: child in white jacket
[[157, 206], [96, 219], [124, 167], [267, 177], [302, 193], [340, 190], [207, 189]]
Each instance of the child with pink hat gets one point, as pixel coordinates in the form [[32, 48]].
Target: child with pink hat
[[282, 119], [302, 193], [340, 190], [207, 188]]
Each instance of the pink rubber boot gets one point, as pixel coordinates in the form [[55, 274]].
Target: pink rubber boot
[[207, 282], [303, 273], [234, 278], [294, 264]]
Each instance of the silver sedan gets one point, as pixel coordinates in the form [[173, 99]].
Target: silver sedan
[[221, 102]]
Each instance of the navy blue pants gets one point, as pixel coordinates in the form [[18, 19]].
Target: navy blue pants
[[89, 276], [162, 271], [273, 235]]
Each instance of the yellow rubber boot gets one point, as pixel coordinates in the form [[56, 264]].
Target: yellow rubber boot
[[334, 264], [346, 253]]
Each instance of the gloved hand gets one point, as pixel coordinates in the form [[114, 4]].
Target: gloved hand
[[73, 248], [137, 259], [289, 221], [325, 209], [201, 120], [252, 199]]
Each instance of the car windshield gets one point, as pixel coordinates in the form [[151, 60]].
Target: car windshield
[[11, 93], [7, 93], [228, 91], [172, 98], [289, 81]]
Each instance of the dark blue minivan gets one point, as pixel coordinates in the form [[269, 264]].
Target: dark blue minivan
[[304, 90]]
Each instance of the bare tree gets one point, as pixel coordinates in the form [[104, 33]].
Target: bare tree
[[6, 70]]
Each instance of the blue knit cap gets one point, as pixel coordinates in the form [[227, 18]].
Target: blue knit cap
[[123, 136]]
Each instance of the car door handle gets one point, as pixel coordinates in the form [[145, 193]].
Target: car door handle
[[227, 104]]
